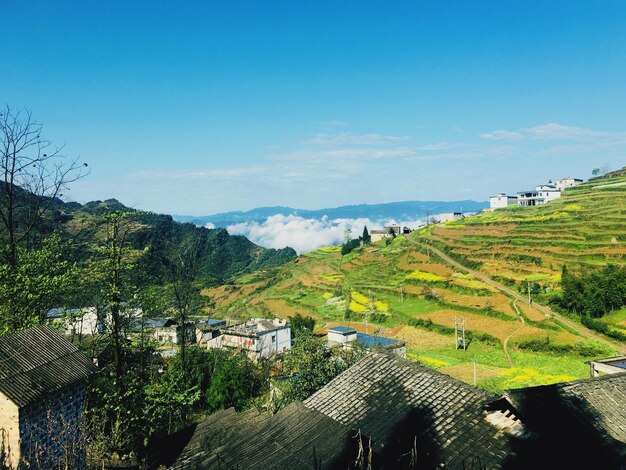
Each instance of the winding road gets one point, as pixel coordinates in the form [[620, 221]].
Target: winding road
[[578, 328]]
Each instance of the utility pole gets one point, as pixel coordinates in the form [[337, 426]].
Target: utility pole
[[459, 333], [530, 302]]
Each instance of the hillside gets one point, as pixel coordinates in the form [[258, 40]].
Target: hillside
[[229, 255], [586, 227], [404, 290]]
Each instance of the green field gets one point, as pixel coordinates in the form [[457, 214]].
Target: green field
[[402, 290]]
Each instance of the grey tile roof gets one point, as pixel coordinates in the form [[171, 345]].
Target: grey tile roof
[[582, 422], [39, 361], [295, 438], [401, 405], [396, 401]]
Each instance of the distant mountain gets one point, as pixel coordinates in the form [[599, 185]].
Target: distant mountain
[[407, 210], [228, 255]]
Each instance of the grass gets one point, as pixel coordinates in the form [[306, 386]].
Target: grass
[[401, 282]]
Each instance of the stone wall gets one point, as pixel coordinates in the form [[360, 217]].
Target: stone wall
[[51, 430]]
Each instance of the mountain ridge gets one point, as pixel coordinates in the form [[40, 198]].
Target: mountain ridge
[[399, 210]]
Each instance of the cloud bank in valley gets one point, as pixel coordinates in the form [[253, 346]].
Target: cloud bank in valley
[[305, 235]]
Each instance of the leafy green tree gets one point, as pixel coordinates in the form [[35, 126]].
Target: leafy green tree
[[301, 324], [234, 382], [594, 293], [595, 171], [33, 175], [45, 276], [113, 268], [310, 365]]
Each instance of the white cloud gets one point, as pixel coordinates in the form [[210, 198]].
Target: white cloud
[[209, 225], [210, 173], [554, 131], [305, 235], [335, 123], [498, 135], [349, 138]]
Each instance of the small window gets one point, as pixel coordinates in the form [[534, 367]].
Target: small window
[[273, 338]]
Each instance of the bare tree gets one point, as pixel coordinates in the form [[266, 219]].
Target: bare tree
[[33, 173]]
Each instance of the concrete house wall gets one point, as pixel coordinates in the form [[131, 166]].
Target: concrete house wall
[[274, 342], [568, 182], [10, 429], [340, 338], [501, 200], [259, 344]]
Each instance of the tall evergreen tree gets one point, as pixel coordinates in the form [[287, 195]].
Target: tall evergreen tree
[[366, 236]]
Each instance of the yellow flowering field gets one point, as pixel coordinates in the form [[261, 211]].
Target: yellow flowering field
[[424, 276]]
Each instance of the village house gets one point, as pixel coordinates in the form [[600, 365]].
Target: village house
[[42, 390], [347, 337], [165, 330], [448, 217], [611, 365], [206, 330], [388, 231], [88, 320], [540, 195], [258, 337], [567, 182], [545, 192], [76, 321], [501, 200]]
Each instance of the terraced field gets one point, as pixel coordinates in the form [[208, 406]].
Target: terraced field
[[405, 290], [585, 227]]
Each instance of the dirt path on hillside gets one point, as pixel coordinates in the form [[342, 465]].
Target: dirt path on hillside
[[580, 329], [505, 343]]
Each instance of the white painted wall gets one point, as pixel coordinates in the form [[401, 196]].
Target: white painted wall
[[501, 200], [337, 337], [568, 182]]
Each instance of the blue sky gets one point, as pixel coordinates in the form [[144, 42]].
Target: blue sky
[[202, 107]]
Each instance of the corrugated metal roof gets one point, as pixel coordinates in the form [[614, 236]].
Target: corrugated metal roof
[[38, 361], [370, 341]]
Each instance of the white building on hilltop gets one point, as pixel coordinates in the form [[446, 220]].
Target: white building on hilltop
[[540, 195], [568, 182], [501, 200], [448, 217]]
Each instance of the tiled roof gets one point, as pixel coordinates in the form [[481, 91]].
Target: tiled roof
[[583, 420], [294, 438], [403, 406], [153, 323], [39, 361], [395, 401]]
